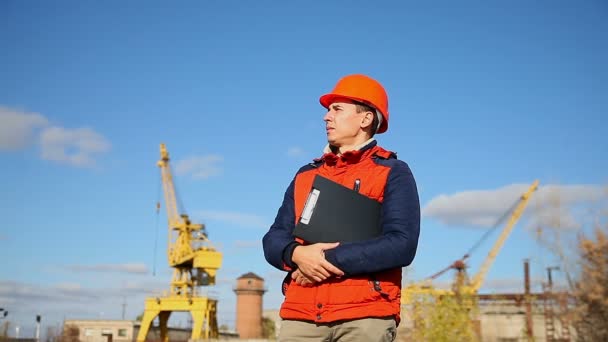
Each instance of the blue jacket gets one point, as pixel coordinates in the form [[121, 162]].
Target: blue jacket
[[400, 223], [371, 285]]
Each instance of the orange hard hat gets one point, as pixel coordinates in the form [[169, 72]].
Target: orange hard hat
[[361, 88]]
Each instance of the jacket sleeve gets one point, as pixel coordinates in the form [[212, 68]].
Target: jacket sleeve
[[400, 226], [279, 242]]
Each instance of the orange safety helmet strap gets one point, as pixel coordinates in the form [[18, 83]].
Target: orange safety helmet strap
[[361, 88]]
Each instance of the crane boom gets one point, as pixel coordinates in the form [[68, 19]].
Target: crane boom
[[462, 285], [519, 209], [168, 188]]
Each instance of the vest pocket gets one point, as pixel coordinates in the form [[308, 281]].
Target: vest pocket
[[352, 291]]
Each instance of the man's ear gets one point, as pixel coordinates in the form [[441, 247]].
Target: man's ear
[[367, 120]]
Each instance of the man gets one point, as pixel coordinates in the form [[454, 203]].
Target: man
[[348, 291]]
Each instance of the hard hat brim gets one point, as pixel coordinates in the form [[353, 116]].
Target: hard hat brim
[[330, 98]]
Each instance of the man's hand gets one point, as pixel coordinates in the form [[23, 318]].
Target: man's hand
[[301, 279], [312, 263]]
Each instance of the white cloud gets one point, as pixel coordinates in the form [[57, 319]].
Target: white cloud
[[240, 219], [295, 151], [72, 300], [33, 294], [200, 167], [17, 128], [551, 205], [75, 147], [18, 291], [121, 268], [68, 287]]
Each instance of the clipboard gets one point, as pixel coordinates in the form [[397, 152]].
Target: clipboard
[[335, 213]]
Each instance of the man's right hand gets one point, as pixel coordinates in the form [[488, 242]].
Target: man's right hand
[[311, 261]]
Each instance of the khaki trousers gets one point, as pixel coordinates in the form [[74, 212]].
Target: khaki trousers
[[359, 330]]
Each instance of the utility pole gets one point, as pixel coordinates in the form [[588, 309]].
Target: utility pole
[[549, 303], [550, 279], [528, 301], [37, 328], [124, 306]]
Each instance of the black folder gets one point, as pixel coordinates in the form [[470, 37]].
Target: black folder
[[335, 213]]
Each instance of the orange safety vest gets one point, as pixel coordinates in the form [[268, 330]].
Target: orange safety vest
[[360, 296]]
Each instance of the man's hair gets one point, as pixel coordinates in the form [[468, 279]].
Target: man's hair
[[362, 107]]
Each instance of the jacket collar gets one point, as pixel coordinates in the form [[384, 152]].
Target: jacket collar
[[330, 157], [362, 147]]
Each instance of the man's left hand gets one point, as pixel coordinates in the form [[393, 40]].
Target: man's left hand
[[301, 279]]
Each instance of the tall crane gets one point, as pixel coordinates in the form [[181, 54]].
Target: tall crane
[[462, 284], [195, 263]]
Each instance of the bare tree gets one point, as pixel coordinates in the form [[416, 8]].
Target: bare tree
[[591, 288], [268, 328], [51, 334], [441, 318], [4, 332], [71, 333], [578, 236]]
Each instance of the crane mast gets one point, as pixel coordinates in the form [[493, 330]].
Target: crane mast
[[195, 263]]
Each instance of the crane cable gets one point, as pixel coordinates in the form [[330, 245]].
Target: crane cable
[[180, 205], [180, 208], [482, 239], [498, 223]]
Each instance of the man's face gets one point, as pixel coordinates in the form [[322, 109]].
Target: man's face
[[342, 122]]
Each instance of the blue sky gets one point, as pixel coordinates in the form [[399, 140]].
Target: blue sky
[[484, 97]]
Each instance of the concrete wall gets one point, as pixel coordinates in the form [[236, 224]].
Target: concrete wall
[[103, 330]]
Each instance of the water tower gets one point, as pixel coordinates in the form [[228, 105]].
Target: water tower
[[249, 291]]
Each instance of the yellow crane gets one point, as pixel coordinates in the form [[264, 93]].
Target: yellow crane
[[195, 263], [462, 284]]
